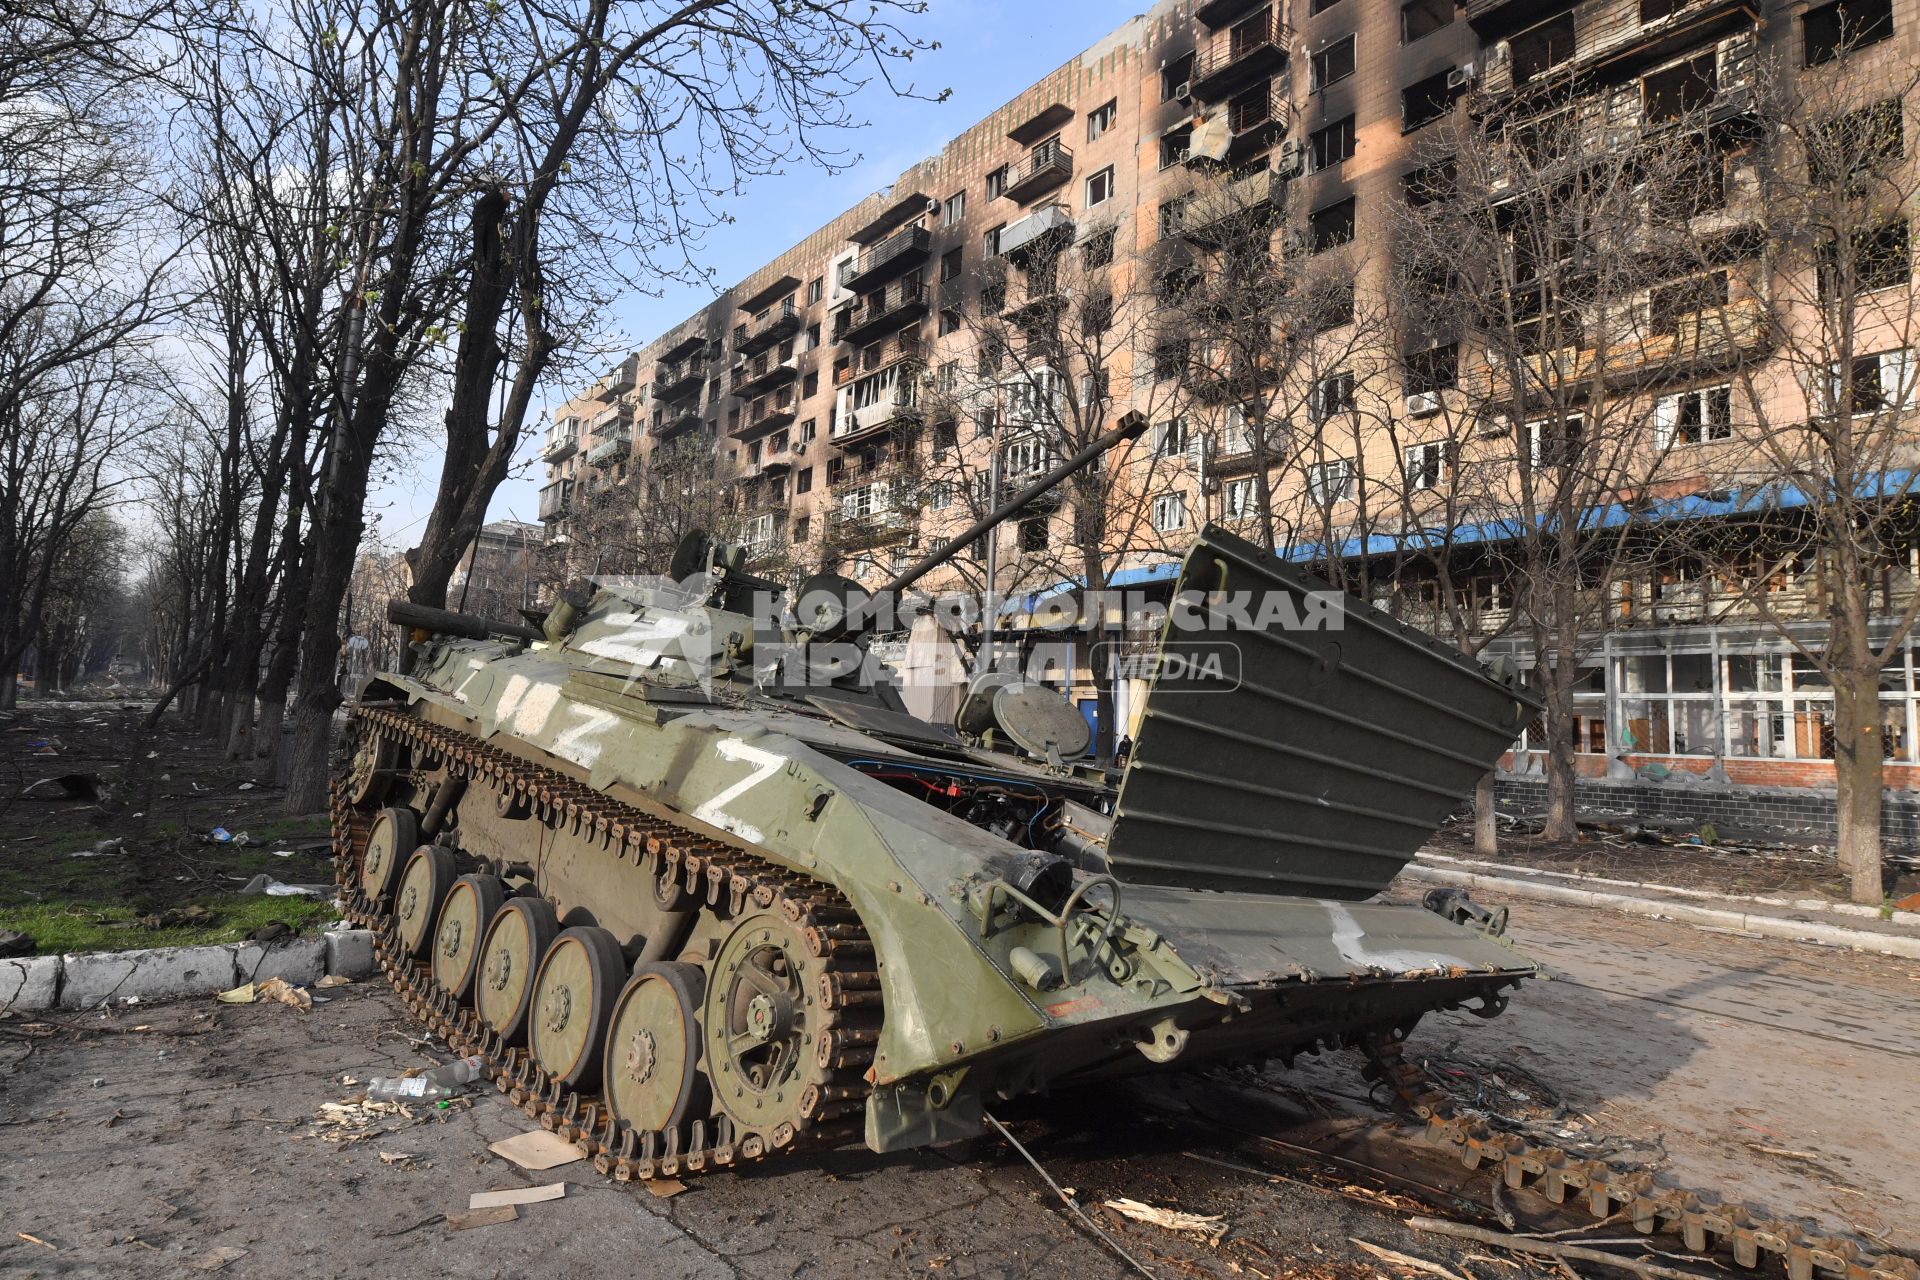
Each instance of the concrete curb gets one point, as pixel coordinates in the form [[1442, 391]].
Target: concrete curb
[[95, 979], [1766, 926], [1910, 919]]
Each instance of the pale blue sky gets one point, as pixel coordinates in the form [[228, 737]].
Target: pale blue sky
[[990, 51]]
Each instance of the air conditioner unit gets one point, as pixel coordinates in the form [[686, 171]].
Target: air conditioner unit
[[1423, 404], [800, 450], [1210, 484], [1460, 77], [1293, 158], [1184, 91]]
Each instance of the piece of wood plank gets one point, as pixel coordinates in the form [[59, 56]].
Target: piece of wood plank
[[465, 1219], [537, 1150], [516, 1195]]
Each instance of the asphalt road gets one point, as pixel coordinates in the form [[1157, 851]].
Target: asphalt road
[[147, 1141]]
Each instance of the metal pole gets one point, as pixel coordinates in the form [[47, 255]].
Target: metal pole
[[991, 604]]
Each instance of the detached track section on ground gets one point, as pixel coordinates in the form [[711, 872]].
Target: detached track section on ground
[[720, 878]]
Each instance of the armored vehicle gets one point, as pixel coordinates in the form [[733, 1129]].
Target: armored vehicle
[[685, 871]]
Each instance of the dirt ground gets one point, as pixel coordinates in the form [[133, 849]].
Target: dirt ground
[[1657, 857], [160, 795], [141, 1141]]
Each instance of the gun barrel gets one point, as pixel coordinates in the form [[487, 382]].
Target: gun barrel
[[1130, 428], [445, 622]]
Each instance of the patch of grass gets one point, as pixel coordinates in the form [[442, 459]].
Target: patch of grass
[[311, 826], [99, 926]]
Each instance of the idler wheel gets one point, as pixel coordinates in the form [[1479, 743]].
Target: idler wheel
[[761, 1019], [573, 999], [423, 887], [374, 762], [392, 838], [652, 1078], [469, 908], [519, 935]]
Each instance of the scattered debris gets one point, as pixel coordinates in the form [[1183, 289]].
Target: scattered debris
[[333, 980], [245, 786], [176, 917], [395, 1157], [67, 786], [264, 883], [32, 1239], [1201, 1226], [664, 1188], [271, 931], [464, 1219], [1784, 1153], [1406, 1260], [15, 943], [111, 848], [1552, 1249], [272, 989], [537, 1150], [217, 1258], [516, 1195], [219, 835]]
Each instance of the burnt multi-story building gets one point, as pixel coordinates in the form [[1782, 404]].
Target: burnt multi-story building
[[825, 382]]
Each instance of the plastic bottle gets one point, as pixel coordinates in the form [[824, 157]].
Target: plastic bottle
[[458, 1072], [431, 1086], [407, 1089]]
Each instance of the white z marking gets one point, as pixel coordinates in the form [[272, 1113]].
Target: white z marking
[[714, 810]]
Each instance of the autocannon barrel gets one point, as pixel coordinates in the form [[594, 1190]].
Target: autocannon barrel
[[1129, 429], [446, 622]]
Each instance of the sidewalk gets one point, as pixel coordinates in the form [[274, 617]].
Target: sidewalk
[[1793, 919]]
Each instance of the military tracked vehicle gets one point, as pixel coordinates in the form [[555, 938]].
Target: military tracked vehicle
[[701, 890]]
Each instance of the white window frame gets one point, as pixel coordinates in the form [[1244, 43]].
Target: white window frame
[[1101, 119], [1105, 178], [1318, 401], [1331, 481], [1669, 430], [1425, 465], [1898, 372], [1238, 499], [1172, 438], [1170, 512], [1535, 454], [954, 210]]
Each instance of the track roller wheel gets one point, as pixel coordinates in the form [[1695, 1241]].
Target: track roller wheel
[[394, 835], [519, 936], [652, 1079], [429, 874], [464, 916], [761, 1018], [374, 763], [573, 999]]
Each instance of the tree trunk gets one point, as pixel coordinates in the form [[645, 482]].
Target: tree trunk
[[1486, 820], [1859, 774]]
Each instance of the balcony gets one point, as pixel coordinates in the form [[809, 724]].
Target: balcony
[[763, 373], [560, 445], [856, 531], [781, 322], [892, 258], [672, 422], [901, 304], [1240, 381], [1255, 119], [1236, 58], [1617, 50], [675, 382], [1046, 228], [1243, 204], [883, 355], [1224, 13], [769, 413], [893, 408], [555, 500], [609, 449], [1046, 167]]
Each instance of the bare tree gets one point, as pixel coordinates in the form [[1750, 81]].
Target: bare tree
[[1810, 467], [1527, 247]]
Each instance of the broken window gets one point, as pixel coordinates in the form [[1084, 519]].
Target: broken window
[[1421, 18], [1430, 182], [1844, 26], [1332, 64], [1705, 413], [1331, 226], [1097, 251], [1850, 150], [1425, 101], [1175, 146], [1331, 144], [1332, 395], [1330, 482], [1540, 49], [1671, 304], [1880, 259], [1434, 369], [1681, 89], [1176, 78]]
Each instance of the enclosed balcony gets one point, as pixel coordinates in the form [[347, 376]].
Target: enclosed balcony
[[879, 411], [1235, 58], [892, 258], [898, 305], [783, 321], [561, 443], [608, 450], [1045, 229], [1047, 166], [1244, 204], [555, 499]]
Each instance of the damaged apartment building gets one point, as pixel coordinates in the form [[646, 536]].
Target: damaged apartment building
[[829, 382]]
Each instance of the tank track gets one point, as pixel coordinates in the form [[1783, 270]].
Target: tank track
[[720, 877], [1703, 1222]]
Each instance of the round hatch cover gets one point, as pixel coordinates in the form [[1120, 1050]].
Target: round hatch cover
[[1037, 717]]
